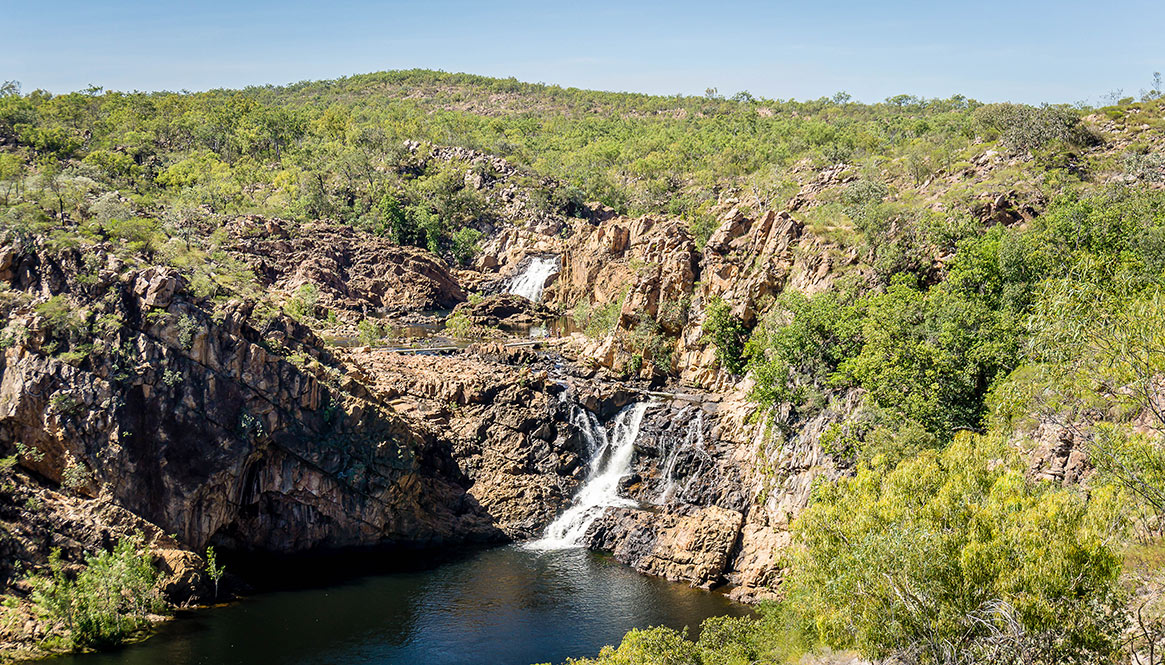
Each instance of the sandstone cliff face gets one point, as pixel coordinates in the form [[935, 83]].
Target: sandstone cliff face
[[503, 423], [715, 506], [210, 422]]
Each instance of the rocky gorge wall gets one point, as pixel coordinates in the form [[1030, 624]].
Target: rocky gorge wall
[[201, 420], [211, 422], [717, 489]]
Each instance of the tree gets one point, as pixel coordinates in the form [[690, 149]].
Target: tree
[[930, 356], [796, 350], [213, 570], [11, 173], [728, 335], [1097, 357]]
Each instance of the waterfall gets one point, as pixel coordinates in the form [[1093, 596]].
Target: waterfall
[[530, 283], [610, 462], [592, 432], [693, 438]]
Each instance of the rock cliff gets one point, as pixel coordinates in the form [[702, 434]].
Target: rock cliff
[[149, 408]]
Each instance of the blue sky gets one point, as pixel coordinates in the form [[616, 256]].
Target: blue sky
[[992, 51]]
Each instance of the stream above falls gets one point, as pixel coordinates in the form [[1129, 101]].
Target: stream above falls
[[501, 606]]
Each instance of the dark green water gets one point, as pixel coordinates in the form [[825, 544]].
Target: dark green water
[[503, 606]]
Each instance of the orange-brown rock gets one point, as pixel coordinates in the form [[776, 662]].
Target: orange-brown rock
[[353, 271]]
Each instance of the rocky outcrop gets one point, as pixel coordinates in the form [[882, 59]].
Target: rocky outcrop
[[503, 309], [354, 272], [692, 544], [502, 422], [198, 423], [1058, 455], [716, 493]]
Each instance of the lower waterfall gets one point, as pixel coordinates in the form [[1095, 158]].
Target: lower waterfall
[[609, 464]]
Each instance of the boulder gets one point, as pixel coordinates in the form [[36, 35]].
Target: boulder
[[156, 286], [693, 545]]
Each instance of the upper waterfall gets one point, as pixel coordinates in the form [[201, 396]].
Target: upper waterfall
[[531, 281]]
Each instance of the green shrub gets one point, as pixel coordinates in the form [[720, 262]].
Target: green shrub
[[370, 331], [136, 234], [1026, 128], [458, 325], [649, 646], [634, 364], [464, 245], [74, 476], [107, 601], [648, 340], [931, 356], [187, 327], [795, 351], [728, 335], [62, 318], [955, 555], [213, 570], [597, 322], [303, 304]]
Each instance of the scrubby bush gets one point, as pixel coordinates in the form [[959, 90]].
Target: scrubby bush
[[464, 245], [597, 321], [1026, 128], [930, 356], [795, 351], [371, 331], [727, 333], [458, 325], [956, 557], [303, 304], [110, 599]]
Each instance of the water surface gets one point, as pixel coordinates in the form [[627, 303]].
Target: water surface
[[502, 606]]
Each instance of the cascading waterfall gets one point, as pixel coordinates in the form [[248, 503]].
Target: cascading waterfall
[[610, 462], [693, 438], [532, 281], [592, 432]]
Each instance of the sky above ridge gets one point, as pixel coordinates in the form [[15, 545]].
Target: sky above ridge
[[1026, 51]]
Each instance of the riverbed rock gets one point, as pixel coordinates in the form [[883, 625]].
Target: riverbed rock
[[503, 309]]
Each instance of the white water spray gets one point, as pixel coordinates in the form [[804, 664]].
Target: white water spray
[[693, 438], [610, 462], [530, 283]]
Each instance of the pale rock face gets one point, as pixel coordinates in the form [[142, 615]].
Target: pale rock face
[[655, 270], [1058, 456], [156, 286], [353, 272]]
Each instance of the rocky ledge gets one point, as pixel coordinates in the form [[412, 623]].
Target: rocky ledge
[[504, 309]]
